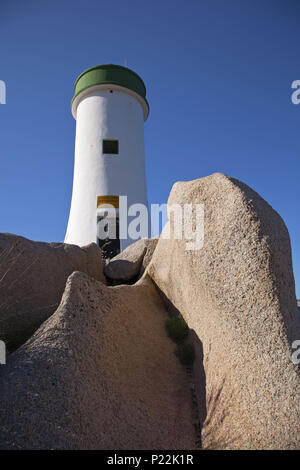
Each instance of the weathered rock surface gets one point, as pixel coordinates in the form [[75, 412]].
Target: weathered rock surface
[[33, 276], [237, 294], [100, 373], [131, 263], [151, 244]]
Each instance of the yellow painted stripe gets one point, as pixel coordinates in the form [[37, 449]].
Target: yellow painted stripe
[[108, 201]]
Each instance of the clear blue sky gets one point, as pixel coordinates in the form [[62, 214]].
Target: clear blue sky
[[218, 76]]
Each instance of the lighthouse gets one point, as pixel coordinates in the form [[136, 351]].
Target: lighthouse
[[110, 108]]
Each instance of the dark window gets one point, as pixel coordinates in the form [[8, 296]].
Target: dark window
[[110, 146], [108, 238]]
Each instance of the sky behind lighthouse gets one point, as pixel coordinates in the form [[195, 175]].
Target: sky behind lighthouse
[[218, 76]]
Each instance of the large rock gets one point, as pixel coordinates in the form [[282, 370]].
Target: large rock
[[151, 244], [100, 373], [131, 263], [237, 294], [33, 276]]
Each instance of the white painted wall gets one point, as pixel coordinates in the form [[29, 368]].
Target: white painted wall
[[100, 115]]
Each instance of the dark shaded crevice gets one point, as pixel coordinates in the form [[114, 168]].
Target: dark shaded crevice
[[118, 282], [196, 374]]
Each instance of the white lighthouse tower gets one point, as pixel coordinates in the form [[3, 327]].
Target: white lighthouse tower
[[110, 108]]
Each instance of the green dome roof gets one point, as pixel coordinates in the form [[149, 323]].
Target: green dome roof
[[110, 74]]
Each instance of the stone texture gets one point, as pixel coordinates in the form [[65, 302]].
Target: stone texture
[[237, 294], [151, 244], [131, 262], [100, 373], [33, 276]]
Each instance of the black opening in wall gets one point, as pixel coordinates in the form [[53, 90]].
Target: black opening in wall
[[108, 238], [110, 147]]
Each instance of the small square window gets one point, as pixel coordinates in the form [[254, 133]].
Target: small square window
[[110, 146]]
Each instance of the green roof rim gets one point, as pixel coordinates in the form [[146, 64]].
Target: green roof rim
[[111, 66], [112, 82]]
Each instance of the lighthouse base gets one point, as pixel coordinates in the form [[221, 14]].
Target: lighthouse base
[[108, 236]]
